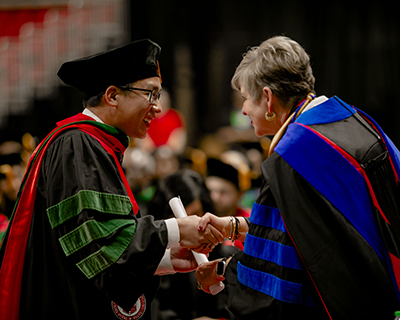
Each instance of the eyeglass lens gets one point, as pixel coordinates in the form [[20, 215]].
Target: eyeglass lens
[[154, 96]]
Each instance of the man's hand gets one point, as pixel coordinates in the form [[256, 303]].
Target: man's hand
[[207, 276], [191, 237], [182, 259]]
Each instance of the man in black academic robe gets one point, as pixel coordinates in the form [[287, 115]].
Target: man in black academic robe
[[76, 247]]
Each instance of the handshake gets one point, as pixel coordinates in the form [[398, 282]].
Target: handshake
[[199, 236]]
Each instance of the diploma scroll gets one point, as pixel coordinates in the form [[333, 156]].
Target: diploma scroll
[[179, 212]]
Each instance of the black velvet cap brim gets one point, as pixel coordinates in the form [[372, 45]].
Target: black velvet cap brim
[[217, 168], [120, 66]]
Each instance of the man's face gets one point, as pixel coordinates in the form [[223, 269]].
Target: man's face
[[135, 112], [224, 195]]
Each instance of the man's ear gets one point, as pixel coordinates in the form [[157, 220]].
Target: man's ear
[[111, 95]]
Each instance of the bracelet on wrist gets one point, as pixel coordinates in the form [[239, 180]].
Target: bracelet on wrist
[[237, 228], [232, 222]]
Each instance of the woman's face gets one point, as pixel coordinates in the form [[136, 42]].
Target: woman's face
[[256, 112]]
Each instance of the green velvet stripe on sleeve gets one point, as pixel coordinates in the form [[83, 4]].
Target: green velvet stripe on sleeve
[[107, 255], [88, 199], [90, 231]]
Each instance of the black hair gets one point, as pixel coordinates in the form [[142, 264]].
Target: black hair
[[92, 100]]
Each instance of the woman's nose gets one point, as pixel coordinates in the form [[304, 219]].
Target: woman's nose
[[243, 111]]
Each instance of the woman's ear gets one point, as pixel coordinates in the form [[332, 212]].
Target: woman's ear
[[268, 95], [111, 95]]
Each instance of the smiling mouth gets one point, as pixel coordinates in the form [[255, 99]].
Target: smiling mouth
[[147, 121]]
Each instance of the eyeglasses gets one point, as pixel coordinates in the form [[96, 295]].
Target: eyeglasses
[[154, 95]]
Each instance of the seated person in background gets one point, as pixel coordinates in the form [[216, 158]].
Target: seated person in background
[[226, 185]]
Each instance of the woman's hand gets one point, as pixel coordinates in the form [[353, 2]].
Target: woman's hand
[[207, 276], [200, 240], [230, 227], [223, 224]]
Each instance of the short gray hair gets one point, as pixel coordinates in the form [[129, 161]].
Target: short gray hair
[[279, 63]]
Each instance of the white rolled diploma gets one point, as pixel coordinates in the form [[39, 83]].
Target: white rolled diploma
[[179, 212]]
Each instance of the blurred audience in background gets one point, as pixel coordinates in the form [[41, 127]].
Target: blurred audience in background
[[140, 167], [167, 161], [14, 158], [255, 152]]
